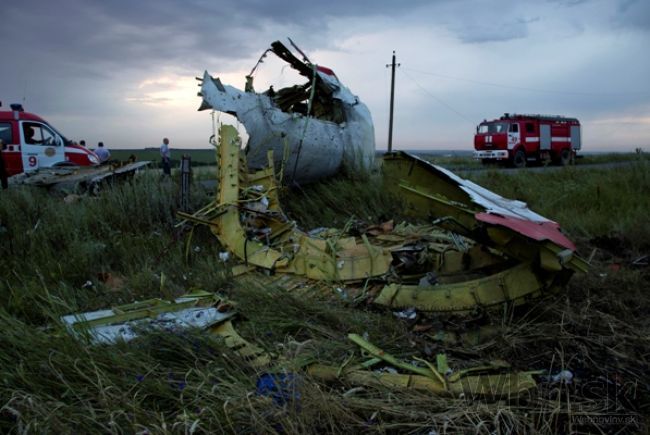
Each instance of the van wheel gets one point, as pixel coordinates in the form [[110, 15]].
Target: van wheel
[[519, 159], [565, 157]]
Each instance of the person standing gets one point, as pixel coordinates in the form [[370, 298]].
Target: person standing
[[165, 154], [103, 154]]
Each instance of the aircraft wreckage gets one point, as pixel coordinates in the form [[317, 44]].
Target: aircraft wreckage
[[313, 129], [469, 250], [478, 249]]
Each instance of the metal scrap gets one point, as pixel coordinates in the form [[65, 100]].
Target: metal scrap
[[76, 178], [492, 380], [198, 309]]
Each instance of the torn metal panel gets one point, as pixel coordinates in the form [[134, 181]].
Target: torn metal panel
[[254, 355], [85, 178], [198, 309], [432, 192], [313, 129], [515, 285], [126, 322]]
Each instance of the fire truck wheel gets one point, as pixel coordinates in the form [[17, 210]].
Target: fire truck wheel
[[519, 159], [565, 157]]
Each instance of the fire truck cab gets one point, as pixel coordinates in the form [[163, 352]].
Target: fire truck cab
[[518, 139], [28, 143]]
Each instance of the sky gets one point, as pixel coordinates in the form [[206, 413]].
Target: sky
[[123, 71]]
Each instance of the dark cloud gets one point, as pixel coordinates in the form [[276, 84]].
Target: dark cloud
[[128, 34], [107, 59], [569, 3], [633, 14], [493, 31]]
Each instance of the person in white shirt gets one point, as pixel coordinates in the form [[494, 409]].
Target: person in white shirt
[[166, 155], [102, 153]]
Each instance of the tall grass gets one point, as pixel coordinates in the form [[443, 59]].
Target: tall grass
[[588, 203], [58, 257]]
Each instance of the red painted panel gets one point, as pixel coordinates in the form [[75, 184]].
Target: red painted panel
[[535, 230]]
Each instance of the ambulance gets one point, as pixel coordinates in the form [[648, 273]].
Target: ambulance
[[29, 143]]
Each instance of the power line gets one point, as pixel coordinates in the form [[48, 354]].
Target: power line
[[522, 88], [442, 103]]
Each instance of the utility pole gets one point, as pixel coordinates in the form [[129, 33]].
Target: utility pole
[[392, 102]]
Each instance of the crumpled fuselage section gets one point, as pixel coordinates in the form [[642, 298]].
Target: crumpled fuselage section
[[313, 129]]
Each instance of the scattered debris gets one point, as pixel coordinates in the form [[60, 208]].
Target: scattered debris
[[564, 377], [126, 322], [642, 261], [407, 314], [280, 387], [198, 309]]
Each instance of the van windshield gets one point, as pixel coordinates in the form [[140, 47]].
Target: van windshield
[[66, 141], [493, 127]]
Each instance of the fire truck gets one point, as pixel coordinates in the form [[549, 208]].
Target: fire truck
[[519, 139], [28, 142]]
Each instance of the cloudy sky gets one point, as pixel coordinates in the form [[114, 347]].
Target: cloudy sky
[[123, 71]]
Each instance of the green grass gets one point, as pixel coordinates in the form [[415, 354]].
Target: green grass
[[200, 157], [588, 204], [469, 163], [203, 159], [190, 382]]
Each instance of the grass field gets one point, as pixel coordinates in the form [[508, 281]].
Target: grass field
[[55, 258], [199, 156], [206, 157]]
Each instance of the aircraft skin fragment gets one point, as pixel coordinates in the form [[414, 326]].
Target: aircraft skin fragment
[[126, 322], [515, 285]]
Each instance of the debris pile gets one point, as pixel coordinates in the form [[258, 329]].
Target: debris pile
[[479, 251]]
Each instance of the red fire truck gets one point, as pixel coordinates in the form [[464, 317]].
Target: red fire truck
[[518, 139], [28, 143]]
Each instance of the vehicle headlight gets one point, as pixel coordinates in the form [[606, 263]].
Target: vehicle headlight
[[93, 159]]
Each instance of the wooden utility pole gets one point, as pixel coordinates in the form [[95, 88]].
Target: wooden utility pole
[[392, 102]]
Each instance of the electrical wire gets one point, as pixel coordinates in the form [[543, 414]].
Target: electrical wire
[[441, 102], [523, 88]]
